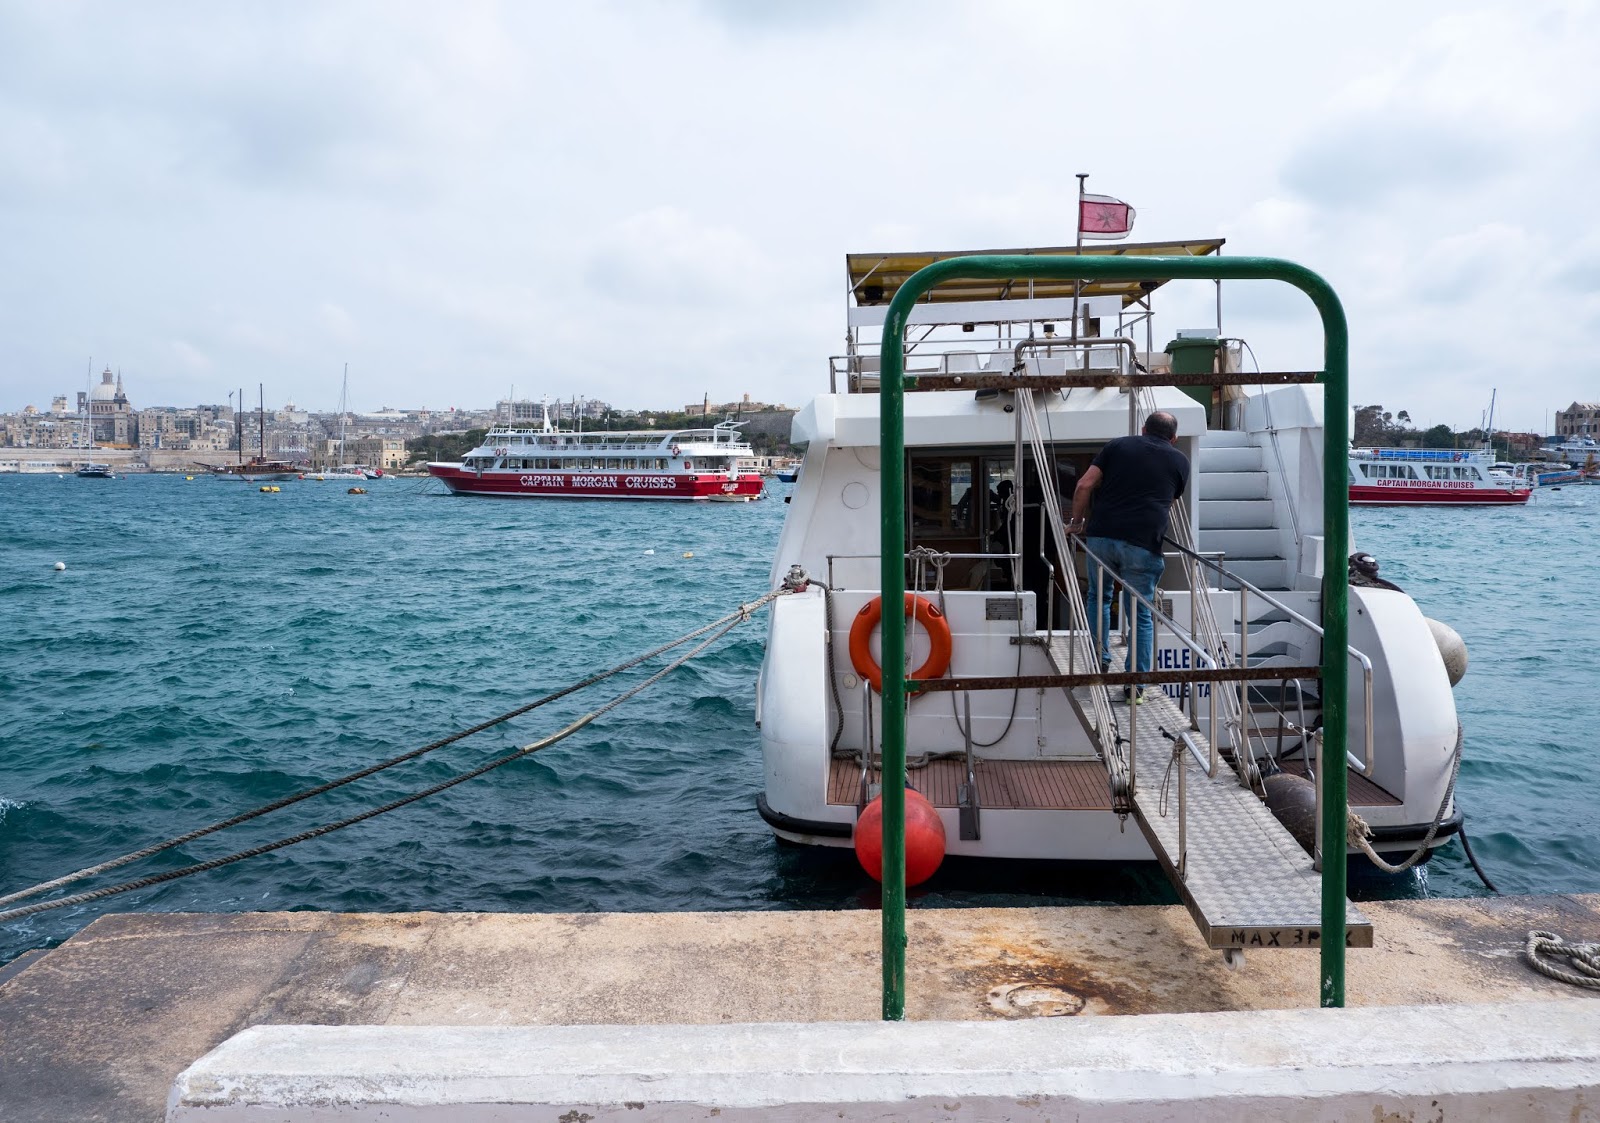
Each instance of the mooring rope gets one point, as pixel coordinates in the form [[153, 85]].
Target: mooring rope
[[1585, 958], [726, 623], [1358, 834]]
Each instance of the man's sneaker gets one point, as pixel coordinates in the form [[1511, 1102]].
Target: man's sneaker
[[1133, 697]]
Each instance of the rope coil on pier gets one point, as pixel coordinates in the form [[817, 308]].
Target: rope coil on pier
[[719, 628], [1585, 959]]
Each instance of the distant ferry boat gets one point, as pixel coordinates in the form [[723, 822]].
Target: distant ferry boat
[[1403, 477], [647, 464]]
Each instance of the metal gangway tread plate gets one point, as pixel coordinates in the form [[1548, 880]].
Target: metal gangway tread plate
[[1245, 880]]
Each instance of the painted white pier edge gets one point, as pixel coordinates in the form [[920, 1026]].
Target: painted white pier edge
[[1521, 1061]]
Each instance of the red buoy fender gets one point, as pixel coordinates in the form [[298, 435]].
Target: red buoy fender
[[925, 838], [922, 611]]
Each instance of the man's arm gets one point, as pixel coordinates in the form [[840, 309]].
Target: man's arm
[[1081, 495]]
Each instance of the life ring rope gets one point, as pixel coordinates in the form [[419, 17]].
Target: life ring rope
[[922, 611]]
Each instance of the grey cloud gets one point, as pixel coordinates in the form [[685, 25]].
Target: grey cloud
[[762, 16], [1373, 157]]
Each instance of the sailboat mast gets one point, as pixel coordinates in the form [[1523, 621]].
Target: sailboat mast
[[261, 419], [344, 390]]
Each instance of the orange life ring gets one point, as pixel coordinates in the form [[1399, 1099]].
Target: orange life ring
[[921, 610]]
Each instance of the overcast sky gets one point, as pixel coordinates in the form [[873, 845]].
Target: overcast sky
[[644, 202]]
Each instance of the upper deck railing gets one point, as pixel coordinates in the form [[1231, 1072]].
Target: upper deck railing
[[724, 439], [1432, 455]]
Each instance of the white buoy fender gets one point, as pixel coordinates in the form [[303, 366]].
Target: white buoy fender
[[1452, 648], [60, 566]]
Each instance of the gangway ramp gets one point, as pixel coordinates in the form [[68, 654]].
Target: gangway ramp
[[1244, 879]]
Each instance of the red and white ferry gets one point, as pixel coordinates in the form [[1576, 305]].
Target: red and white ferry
[[1401, 477], [647, 464]]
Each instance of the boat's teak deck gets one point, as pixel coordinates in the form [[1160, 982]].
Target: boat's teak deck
[[1003, 785], [1362, 791]]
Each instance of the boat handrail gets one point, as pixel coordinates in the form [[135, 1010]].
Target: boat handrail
[[862, 373], [1033, 343], [910, 556], [1441, 455], [1302, 619]]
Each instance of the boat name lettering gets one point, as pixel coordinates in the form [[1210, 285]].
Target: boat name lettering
[[1177, 659], [542, 481], [650, 483], [1463, 484]]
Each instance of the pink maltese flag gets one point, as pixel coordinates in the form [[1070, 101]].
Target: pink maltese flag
[[1104, 218]]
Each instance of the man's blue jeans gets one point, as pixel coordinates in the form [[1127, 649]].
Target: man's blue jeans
[[1141, 570]]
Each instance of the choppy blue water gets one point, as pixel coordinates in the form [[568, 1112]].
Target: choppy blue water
[[210, 648]]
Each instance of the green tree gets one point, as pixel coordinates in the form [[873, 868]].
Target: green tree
[[1439, 436], [443, 446]]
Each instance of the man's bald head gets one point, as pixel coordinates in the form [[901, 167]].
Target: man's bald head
[[1162, 425]]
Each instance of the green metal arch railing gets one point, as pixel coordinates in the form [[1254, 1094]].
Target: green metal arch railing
[[1335, 508]]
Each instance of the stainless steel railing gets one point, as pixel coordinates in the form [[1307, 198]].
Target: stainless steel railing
[[1363, 764]]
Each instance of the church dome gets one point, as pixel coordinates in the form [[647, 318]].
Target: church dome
[[106, 391]]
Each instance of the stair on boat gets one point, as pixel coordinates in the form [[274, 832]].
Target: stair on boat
[[1237, 514], [1244, 879]]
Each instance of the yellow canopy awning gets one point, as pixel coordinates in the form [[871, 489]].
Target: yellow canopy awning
[[874, 277]]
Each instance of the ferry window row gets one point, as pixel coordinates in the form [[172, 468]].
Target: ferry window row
[[611, 464], [584, 463], [1406, 472]]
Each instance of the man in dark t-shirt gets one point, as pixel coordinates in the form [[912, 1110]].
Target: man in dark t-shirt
[[1133, 481]]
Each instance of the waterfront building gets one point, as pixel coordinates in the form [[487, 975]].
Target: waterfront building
[[743, 405], [1580, 419]]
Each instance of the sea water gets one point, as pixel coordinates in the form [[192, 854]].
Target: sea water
[[210, 647]]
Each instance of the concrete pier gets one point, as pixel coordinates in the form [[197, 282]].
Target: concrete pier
[[1522, 1062], [100, 1028]]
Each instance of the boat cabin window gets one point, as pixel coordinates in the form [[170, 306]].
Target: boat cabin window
[[958, 504], [941, 498], [1388, 471]]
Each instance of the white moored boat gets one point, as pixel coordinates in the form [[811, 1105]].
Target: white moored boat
[[1031, 771], [606, 464]]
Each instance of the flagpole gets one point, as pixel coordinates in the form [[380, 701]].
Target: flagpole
[[1077, 286]]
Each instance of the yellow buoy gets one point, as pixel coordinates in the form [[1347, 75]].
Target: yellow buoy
[[688, 553], [188, 477]]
